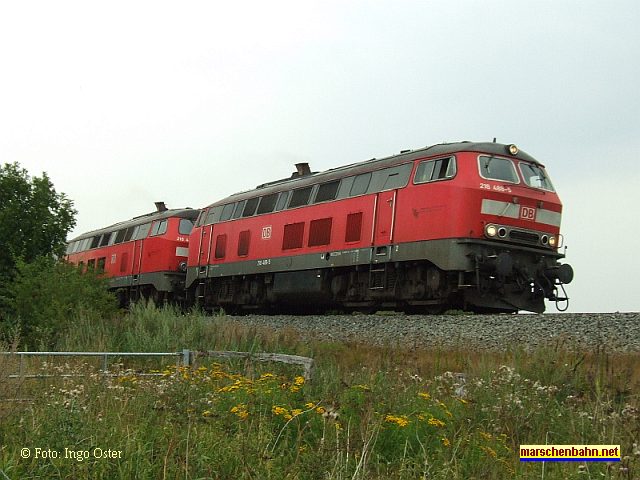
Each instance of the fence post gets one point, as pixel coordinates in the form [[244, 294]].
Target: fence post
[[186, 357]]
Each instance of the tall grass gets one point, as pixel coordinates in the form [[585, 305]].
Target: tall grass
[[368, 413]]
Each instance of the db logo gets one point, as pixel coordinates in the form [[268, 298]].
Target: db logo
[[528, 213], [266, 232]]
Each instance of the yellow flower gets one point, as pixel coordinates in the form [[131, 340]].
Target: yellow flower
[[436, 423], [424, 395], [296, 411], [240, 411], [486, 436], [207, 413], [445, 442], [276, 410], [298, 381], [489, 451], [321, 410], [401, 421]]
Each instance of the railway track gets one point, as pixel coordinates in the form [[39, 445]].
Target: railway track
[[614, 332]]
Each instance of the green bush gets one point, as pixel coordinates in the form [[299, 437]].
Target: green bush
[[47, 296]]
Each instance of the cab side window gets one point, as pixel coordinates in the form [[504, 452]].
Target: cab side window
[[432, 170]]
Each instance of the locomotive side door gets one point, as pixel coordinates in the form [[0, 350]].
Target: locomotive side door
[[384, 218], [205, 246], [139, 235]]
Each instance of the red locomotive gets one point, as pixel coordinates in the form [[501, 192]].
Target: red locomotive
[[142, 257], [472, 226]]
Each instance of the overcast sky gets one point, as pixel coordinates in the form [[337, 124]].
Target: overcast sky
[[126, 103]]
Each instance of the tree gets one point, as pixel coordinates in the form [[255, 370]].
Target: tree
[[34, 219]]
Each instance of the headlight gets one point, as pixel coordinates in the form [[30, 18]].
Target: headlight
[[491, 230], [513, 150], [552, 241]]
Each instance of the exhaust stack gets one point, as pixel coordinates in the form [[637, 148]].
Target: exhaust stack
[[302, 170]]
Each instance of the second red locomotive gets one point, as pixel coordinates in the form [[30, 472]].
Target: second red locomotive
[[472, 226], [142, 257]]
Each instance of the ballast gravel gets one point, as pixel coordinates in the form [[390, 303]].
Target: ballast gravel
[[613, 332]]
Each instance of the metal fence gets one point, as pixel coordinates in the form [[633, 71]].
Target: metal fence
[[184, 358]]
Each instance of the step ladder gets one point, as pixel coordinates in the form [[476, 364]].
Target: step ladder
[[378, 277]]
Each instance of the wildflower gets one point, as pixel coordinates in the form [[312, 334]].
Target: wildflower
[[401, 421], [276, 410], [332, 414], [435, 422], [240, 411], [424, 395], [296, 411], [363, 387], [489, 451], [298, 381], [207, 413], [445, 442]]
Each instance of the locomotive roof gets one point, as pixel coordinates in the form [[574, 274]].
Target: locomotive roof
[[140, 220], [296, 181]]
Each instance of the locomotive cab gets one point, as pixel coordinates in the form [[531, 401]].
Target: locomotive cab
[[516, 259]]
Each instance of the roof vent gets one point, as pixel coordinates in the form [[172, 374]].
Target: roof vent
[[161, 207], [302, 169]]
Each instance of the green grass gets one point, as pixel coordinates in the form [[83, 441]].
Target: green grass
[[368, 413]]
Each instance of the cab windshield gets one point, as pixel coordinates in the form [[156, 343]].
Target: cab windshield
[[185, 227], [535, 176]]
